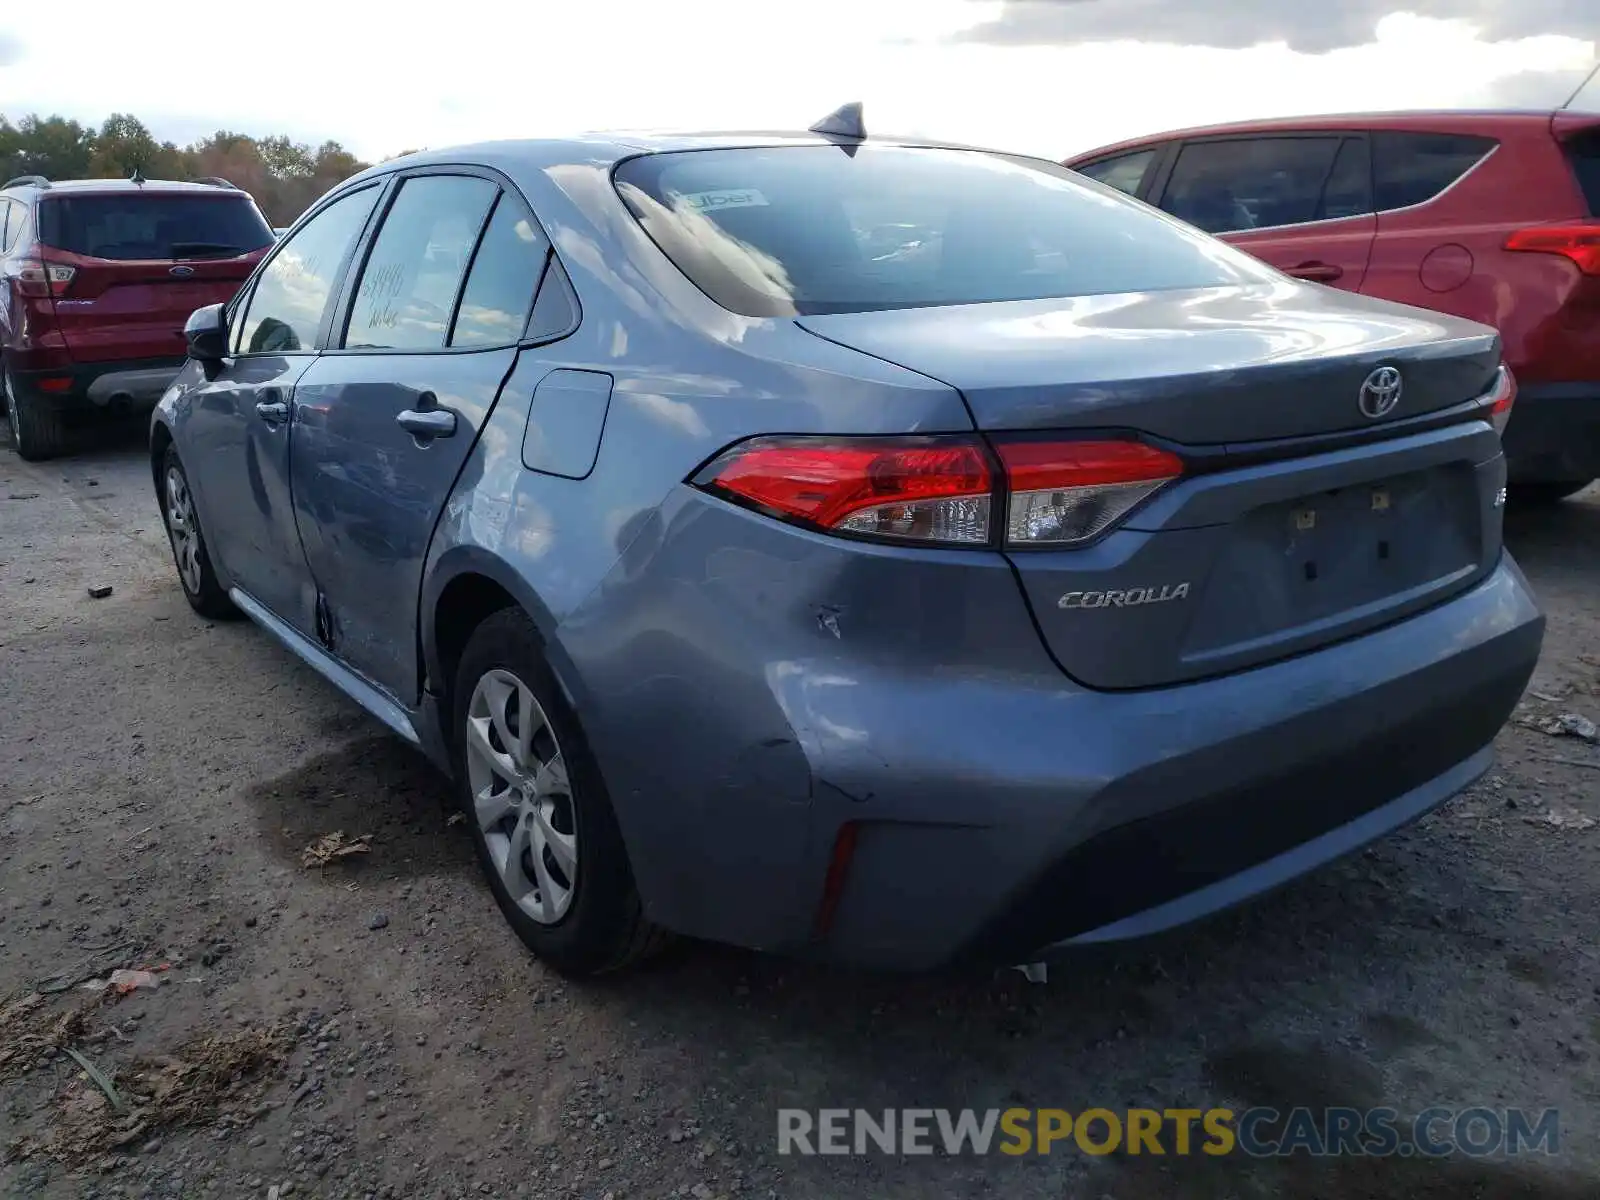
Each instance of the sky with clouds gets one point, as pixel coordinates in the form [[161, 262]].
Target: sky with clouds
[[1050, 77]]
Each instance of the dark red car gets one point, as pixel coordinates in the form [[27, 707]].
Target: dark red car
[[1488, 215], [97, 278]]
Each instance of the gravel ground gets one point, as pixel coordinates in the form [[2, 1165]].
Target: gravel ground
[[371, 1028]]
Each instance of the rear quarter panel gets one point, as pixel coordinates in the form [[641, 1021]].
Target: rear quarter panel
[[689, 378], [1448, 254]]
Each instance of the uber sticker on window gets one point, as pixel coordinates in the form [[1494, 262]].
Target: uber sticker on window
[[715, 201]]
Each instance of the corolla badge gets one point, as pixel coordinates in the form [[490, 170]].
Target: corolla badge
[[181, 272], [1380, 393], [1126, 597]]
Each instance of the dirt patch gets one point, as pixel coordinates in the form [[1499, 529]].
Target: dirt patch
[[372, 788], [33, 1031], [1285, 1077], [215, 1080], [1391, 1033]]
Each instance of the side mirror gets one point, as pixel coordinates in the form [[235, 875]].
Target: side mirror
[[206, 332]]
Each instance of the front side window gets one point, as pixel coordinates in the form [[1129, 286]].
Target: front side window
[[505, 271], [1412, 168], [409, 283], [1250, 183], [139, 225], [6, 208], [1125, 172], [796, 230], [291, 295]]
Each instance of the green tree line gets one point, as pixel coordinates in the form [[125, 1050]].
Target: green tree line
[[284, 176]]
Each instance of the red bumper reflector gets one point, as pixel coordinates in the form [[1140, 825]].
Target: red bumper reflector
[[844, 849]]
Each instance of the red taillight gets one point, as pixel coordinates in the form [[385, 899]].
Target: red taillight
[[1579, 241], [929, 489], [941, 489], [1068, 492], [1501, 397], [40, 279]]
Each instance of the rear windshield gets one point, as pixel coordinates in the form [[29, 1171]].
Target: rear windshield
[[153, 225], [798, 230], [1584, 151]]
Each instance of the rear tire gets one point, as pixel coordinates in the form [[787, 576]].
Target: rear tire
[[189, 552], [544, 829], [1544, 491], [37, 429]]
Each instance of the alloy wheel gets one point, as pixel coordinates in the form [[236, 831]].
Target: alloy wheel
[[520, 796], [183, 529]]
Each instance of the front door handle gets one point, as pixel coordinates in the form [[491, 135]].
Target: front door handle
[[428, 423], [1317, 272], [272, 408]]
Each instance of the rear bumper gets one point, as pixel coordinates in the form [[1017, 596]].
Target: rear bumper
[[122, 386], [1123, 814], [1554, 433], [1001, 812]]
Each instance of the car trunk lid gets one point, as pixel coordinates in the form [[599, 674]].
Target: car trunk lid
[[1201, 367], [1306, 514]]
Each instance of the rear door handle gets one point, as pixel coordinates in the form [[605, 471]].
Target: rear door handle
[[1317, 272], [272, 408], [427, 424]]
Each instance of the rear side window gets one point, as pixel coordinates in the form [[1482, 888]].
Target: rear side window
[[13, 224], [153, 225], [797, 230], [285, 310], [409, 284], [555, 310], [505, 271], [1413, 168], [1251, 183], [1584, 154], [1125, 172]]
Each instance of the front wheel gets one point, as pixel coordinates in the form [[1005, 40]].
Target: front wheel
[[544, 829], [189, 552]]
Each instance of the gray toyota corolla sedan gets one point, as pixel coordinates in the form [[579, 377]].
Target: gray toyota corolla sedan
[[882, 551]]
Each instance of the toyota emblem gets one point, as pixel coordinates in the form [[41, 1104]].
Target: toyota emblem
[[1381, 392]]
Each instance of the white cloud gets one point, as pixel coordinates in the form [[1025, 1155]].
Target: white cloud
[[381, 80]]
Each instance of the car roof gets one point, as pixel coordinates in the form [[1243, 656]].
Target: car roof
[[1416, 120], [108, 187], [611, 147]]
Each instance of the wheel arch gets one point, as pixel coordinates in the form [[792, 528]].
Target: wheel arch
[[466, 585], [160, 439]]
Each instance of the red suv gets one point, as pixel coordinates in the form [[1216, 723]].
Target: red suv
[[97, 278], [1493, 216]]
